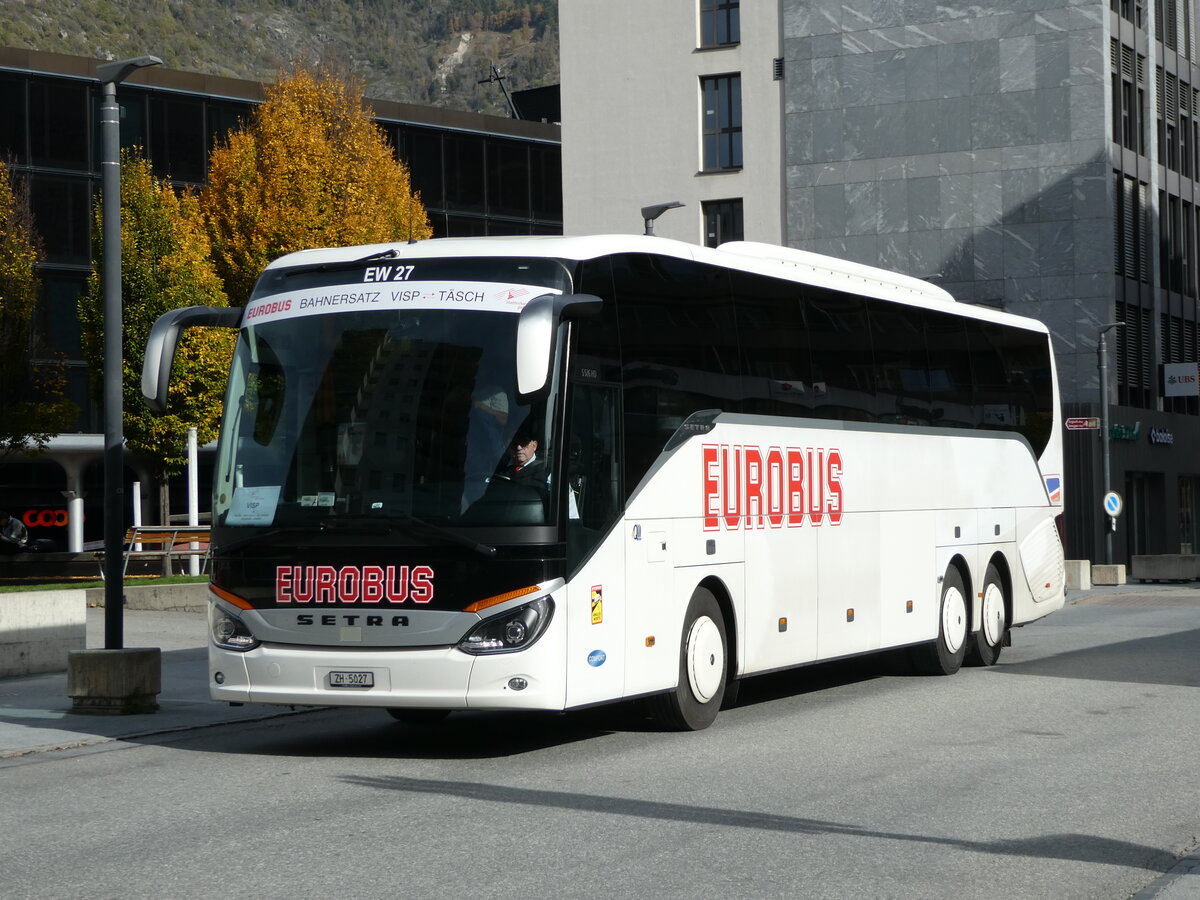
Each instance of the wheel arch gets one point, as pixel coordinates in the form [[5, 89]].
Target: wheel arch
[[959, 562]]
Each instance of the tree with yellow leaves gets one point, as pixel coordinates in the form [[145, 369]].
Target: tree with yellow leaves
[[309, 169], [165, 264], [32, 408]]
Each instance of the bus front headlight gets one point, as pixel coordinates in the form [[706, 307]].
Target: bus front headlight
[[515, 629], [228, 631]]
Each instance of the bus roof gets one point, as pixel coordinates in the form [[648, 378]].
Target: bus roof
[[748, 256]]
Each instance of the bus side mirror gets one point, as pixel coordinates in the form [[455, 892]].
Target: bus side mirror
[[164, 339], [537, 332]]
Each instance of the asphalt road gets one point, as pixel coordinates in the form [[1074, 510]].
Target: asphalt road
[[1067, 771]]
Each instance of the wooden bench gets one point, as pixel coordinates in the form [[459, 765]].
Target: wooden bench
[[162, 542]]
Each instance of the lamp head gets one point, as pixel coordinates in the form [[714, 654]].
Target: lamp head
[[650, 213], [118, 71]]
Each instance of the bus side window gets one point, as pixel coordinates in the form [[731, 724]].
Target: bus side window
[[842, 363], [1012, 380], [593, 470], [679, 350], [901, 363], [950, 384], [777, 370]]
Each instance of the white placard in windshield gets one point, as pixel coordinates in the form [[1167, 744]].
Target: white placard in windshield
[[253, 505], [359, 296]]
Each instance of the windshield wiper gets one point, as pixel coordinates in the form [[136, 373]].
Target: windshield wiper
[[390, 253], [414, 525]]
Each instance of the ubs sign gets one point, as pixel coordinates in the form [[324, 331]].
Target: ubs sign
[[1181, 379]]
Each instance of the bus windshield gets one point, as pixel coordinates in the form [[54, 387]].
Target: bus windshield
[[406, 414]]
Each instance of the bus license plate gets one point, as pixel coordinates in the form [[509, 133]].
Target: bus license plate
[[352, 679]]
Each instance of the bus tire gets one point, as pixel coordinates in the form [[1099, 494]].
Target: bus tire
[[983, 647], [944, 656], [417, 716], [703, 668]]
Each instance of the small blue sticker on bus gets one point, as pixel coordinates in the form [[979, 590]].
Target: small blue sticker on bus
[[596, 658]]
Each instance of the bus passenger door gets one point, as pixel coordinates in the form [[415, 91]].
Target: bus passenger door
[[595, 607]]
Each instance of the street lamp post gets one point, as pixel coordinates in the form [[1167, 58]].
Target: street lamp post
[[1102, 362], [652, 212], [112, 74]]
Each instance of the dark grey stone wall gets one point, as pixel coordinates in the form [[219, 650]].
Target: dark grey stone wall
[[962, 142]]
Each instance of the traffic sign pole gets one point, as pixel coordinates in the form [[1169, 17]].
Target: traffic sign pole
[[1102, 362]]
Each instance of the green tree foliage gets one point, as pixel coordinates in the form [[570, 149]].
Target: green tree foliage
[[31, 406], [165, 264], [309, 169]]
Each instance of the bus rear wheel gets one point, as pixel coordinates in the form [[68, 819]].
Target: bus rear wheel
[[703, 662], [945, 655], [983, 648]]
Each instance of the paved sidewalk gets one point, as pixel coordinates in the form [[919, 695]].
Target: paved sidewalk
[[35, 711]]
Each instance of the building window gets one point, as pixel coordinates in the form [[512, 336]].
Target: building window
[[1129, 97], [13, 122], [1131, 256], [1134, 354], [61, 208], [722, 96], [720, 23], [178, 145], [722, 222], [1132, 10], [58, 124]]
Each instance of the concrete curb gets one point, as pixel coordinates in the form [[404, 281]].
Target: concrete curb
[[159, 598]]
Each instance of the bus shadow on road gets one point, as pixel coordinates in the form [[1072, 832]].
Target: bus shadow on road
[[1066, 846], [464, 735], [490, 734], [822, 677]]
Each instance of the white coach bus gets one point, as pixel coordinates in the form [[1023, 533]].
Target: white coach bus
[[737, 461]]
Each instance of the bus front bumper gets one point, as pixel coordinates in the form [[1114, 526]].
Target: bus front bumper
[[436, 678]]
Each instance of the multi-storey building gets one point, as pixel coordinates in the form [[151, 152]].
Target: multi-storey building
[[1040, 156], [476, 175]]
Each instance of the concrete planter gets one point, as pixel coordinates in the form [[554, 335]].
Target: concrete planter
[[1166, 567], [115, 682]]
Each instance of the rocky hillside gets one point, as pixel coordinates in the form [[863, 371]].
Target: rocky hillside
[[431, 52]]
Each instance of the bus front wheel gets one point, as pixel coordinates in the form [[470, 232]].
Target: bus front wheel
[[697, 697], [945, 655], [983, 649]]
